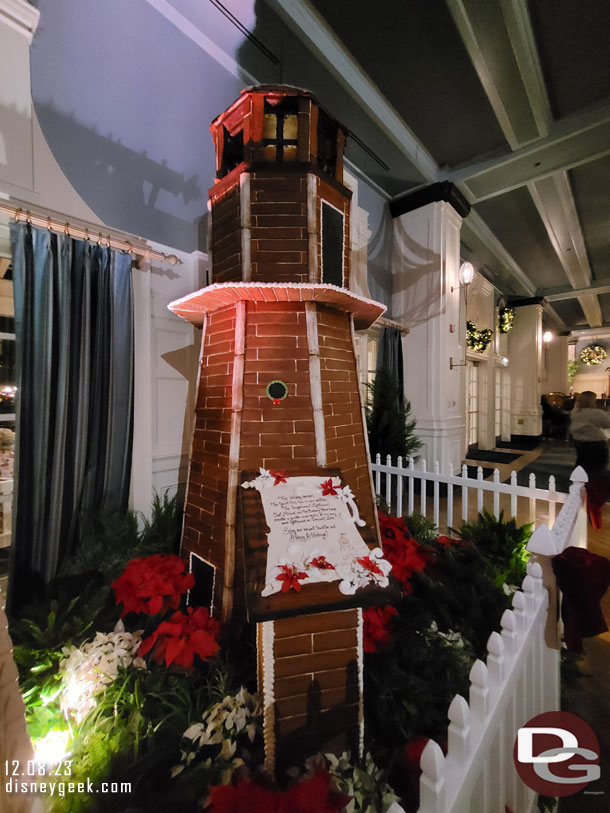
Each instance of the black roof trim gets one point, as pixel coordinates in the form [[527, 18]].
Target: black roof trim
[[443, 190]]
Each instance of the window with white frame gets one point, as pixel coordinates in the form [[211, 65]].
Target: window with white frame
[[498, 404], [472, 403]]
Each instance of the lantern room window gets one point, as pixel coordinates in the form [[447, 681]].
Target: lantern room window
[[280, 131], [233, 151]]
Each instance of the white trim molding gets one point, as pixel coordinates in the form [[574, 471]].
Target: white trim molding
[[21, 16]]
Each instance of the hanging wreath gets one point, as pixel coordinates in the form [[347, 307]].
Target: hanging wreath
[[592, 354], [477, 340], [506, 317]]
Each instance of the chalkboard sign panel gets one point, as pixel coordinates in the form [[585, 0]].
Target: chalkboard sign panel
[[332, 245]]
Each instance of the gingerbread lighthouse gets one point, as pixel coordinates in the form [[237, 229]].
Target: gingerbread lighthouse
[[280, 520]]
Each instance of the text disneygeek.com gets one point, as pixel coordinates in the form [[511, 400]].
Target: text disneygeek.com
[[48, 788]]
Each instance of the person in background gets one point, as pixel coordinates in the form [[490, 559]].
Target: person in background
[[590, 430]]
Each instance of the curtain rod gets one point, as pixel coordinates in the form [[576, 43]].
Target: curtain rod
[[82, 232], [384, 322]]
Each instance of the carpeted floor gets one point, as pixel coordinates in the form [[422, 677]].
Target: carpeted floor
[[558, 460], [525, 444], [492, 456]]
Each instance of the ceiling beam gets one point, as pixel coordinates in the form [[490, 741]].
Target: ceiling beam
[[521, 36], [309, 26], [600, 286], [587, 333], [555, 203], [484, 33], [573, 141], [501, 44]]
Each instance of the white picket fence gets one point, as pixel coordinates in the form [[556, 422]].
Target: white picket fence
[[519, 680], [396, 484]]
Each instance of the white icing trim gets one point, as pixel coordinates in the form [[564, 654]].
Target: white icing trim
[[308, 286], [360, 647], [245, 223], [237, 398], [365, 436], [312, 227], [315, 382], [268, 693], [214, 569]]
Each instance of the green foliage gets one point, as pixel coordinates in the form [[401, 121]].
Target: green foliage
[[108, 542], [460, 593], [421, 529], [572, 371], [502, 543], [134, 735], [363, 781], [411, 683], [571, 674], [390, 427], [442, 625]]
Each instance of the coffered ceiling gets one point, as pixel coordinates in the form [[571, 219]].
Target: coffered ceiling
[[508, 99]]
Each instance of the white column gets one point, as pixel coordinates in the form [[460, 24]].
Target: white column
[[428, 300], [525, 353], [555, 366], [18, 22]]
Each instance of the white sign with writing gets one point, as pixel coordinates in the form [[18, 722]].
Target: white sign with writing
[[313, 535]]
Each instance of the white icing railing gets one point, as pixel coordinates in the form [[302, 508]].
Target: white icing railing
[[519, 680], [396, 484]]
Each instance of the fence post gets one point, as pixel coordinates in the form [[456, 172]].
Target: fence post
[[458, 733], [432, 781], [579, 480]]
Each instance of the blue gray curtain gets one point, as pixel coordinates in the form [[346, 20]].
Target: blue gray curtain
[[389, 357], [74, 349]]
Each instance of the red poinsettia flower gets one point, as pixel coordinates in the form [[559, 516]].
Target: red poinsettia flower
[[377, 627], [448, 541], [185, 635], [369, 564], [322, 563], [152, 585], [403, 552], [280, 476], [291, 578], [413, 751], [328, 489], [312, 795]]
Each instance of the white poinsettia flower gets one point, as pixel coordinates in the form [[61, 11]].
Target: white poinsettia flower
[[88, 669], [194, 732]]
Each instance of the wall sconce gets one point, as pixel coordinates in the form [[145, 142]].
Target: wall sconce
[[547, 336], [504, 361], [466, 275]]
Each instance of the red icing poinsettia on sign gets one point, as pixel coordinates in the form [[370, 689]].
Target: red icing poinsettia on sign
[[321, 562], [291, 577], [185, 635], [328, 489], [152, 585]]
